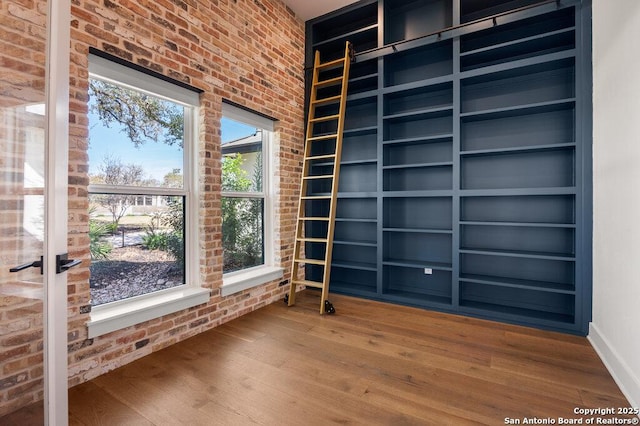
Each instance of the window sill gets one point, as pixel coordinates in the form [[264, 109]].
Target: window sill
[[236, 282], [125, 313]]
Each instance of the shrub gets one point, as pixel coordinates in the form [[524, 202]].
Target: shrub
[[99, 248], [155, 240], [175, 246]]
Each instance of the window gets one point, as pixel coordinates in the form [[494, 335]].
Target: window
[[142, 192], [247, 200]]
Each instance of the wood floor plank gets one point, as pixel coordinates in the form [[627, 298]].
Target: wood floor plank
[[370, 363], [92, 406]]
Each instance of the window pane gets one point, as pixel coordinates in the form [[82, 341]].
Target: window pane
[[135, 249], [241, 157], [135, 139], [242, 233]]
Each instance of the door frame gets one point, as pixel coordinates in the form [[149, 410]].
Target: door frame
[[56, 170]]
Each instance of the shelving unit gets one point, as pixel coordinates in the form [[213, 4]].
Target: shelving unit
[[465, 171]]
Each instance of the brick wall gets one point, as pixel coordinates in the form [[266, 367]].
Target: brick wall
[[248, 51]]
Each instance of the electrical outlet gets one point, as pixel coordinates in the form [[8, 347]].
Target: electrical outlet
[[428, 271]]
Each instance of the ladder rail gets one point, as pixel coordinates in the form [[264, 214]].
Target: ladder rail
[[300, 238], [336, 178]]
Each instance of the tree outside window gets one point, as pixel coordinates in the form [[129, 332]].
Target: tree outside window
[[243, 196]]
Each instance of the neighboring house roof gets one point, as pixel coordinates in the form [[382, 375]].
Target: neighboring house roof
[[244, 145]]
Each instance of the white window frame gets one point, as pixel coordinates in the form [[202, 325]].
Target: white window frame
[[127, 312], [237, 281]]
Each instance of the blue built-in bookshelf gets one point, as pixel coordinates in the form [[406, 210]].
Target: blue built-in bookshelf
[[465, 176]]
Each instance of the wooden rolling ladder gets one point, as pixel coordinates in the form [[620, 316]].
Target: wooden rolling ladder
[[333, 158]]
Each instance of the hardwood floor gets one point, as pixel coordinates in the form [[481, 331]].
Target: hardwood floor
[[370, 363]]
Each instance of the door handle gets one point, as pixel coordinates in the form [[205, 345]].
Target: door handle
[[34, 264], [63, 263]]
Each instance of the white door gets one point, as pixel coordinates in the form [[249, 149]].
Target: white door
[[34, 63]]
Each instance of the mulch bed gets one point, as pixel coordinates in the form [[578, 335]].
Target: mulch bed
[[132, 271]]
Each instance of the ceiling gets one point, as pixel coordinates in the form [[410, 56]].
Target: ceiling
[[309, 9]]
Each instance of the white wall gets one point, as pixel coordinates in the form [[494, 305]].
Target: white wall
[[615, 330]]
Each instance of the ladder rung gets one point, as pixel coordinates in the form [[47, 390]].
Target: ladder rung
[[320, 157], [313, 240], [314, 284], [314, 218], [327, 118], [322, 138], [311, 261], [329, 82], [316, 197], [318, 177], [330, 100], [330, 64]]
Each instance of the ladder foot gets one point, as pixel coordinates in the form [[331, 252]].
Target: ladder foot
[[328, 308]]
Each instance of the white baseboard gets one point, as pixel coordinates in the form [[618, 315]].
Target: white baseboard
[[628, 382]]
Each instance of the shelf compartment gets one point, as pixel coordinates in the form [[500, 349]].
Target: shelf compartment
[[437, 111], [471, 10], [418, 165], [439, 151], [417, 64], [551, 271], [516, 224], [543, 241], [516, 283], [418, 249], [352, 20], [557, 41], [415, 284], [357, 177], [340, 219], [418, 213], [363, 39], [518, 110], [521, 149], [518, 253], [419, 99], [324, 127], [556, 307], [356, 231], [363, 77], [359, 146], [539, 35], [322, 147], [315, 230], [360, 114], [359, 26], [548, 124], [364, 208], [427, 139], [417, 18], [352, 281], [517, 31], [355, 244], [362, 257], [545, 82], [418, 126], [440, 266], [552, 209], [537, 169], [418, 179]]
